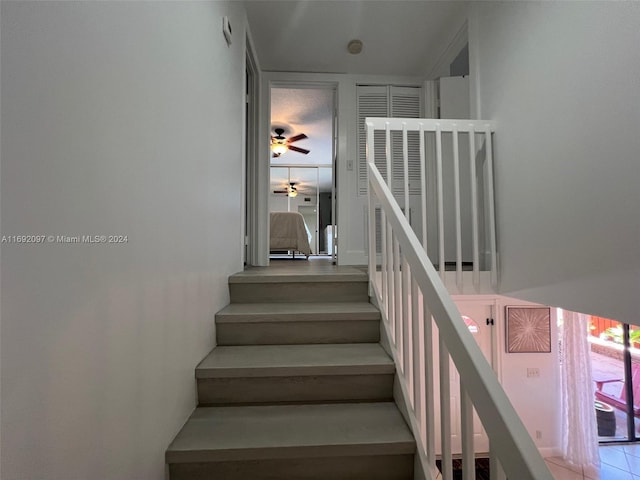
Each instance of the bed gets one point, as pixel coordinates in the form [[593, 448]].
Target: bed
[[289, 232]]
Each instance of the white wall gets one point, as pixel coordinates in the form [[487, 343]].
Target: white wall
[[562, 81], [112, 114], [536, 399]]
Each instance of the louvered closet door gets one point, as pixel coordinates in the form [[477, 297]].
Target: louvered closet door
[[372, 102], [389, 101], [406, 103]]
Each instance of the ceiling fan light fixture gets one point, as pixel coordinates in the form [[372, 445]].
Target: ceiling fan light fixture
[[293, 192], [355, 46], [280, 144], [279, 148]]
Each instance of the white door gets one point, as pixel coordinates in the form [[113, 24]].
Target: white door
[[475, 314]]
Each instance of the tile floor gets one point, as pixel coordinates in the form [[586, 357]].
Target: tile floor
[[617, 462]]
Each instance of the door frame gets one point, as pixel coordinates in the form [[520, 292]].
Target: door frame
[[293, 80], [251, 237], [471, 301]]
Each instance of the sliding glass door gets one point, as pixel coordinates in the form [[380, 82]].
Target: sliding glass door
[[615, 360]]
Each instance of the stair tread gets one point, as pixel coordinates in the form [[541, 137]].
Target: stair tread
[[287, 312], [280, 360], [292, 431], [284, 275]]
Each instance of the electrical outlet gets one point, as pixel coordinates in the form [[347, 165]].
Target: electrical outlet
[[533, 372]]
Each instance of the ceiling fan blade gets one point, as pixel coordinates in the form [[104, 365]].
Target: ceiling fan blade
[[298, 149], [295, 138], [275, 155], [281, 191]]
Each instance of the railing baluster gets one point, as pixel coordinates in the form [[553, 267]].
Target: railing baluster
[[405, 166], [406, 344], [383, 261], [440, 201], [456, 194], [372, 245], [466, 422], [397, 283], [390, 286], [474, 206], [445, 409], [423, 188], [491, 208], [406, 324], [429, 388], [387, 151], [415, 350], [371, 154]]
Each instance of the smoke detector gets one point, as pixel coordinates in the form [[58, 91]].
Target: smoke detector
[[355, 47]]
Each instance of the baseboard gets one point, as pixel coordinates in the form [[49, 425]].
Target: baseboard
[[353, 257], [550, 451]]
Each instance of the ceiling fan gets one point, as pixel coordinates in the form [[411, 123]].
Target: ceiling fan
[[280, 144], [290, 190]]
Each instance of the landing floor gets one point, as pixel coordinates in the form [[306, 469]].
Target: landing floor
[[618, 462], [315, 265]]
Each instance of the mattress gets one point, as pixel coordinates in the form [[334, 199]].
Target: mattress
[[289, 232]]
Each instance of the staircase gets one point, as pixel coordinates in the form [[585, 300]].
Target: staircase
[[298, 387]]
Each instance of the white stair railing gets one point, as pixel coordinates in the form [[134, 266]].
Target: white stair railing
[[416, 305], [455, 209]]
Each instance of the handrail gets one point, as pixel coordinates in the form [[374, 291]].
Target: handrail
[[429, 124], [410, 275]]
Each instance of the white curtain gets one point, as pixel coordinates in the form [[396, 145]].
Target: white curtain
[[580, 431]]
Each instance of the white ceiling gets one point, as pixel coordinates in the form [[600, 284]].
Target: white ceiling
[[400, 37]]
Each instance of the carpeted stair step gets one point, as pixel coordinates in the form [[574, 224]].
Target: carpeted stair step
[[295, 373], [268, 286], [366, 441], [297, 323]]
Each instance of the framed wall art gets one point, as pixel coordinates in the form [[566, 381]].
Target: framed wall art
[[528, 329]]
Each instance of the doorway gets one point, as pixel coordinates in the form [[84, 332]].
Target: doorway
[[477, 316], [303, 159], [250, 241], [615, 362]]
